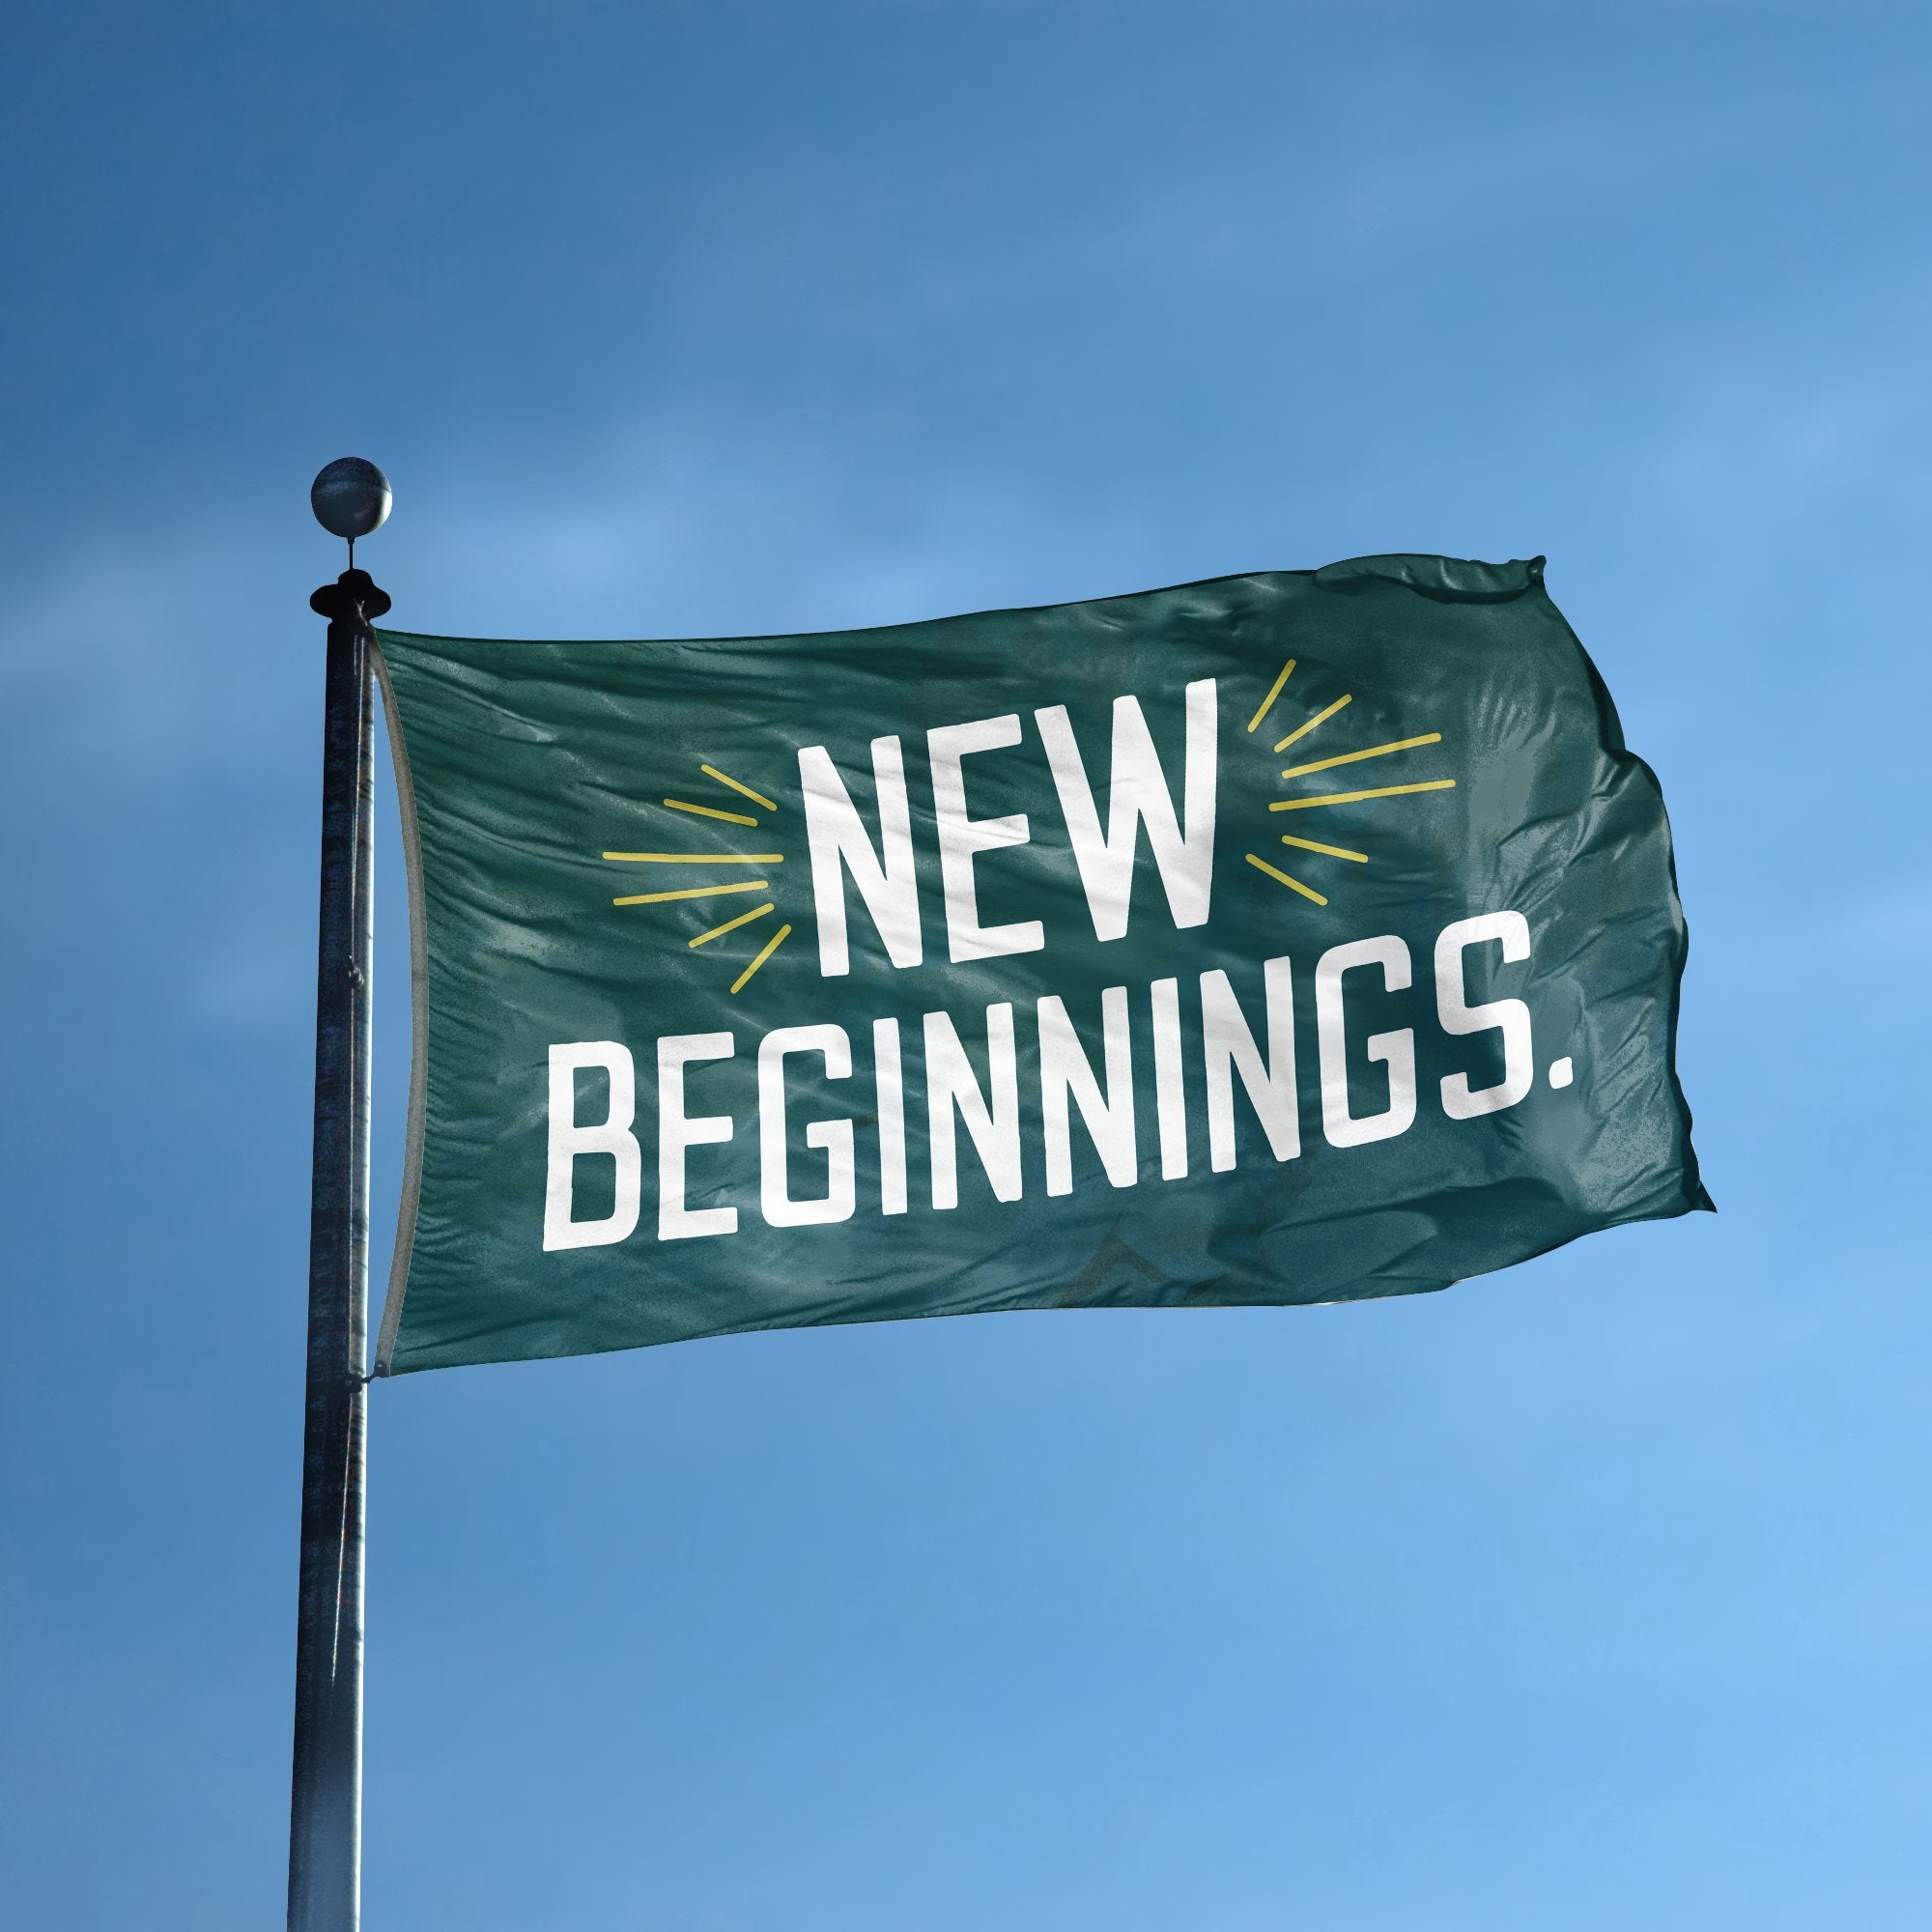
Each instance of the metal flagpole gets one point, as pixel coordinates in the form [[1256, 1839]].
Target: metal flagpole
[[351, 498]]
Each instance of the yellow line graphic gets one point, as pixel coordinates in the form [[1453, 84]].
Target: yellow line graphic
[[694, 892], [699, 858], [1306, 891], [710, 812], [1332, 851], [772, 945], [1274, 692], [1350, 797], [746, 791], [1320, 718], [1355, 757], [730, 925]]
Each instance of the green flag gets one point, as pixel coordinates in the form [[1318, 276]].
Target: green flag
[[1297, 937]]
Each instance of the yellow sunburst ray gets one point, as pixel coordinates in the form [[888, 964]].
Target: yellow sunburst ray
[[710, 811], [1274, 692], [1355, 757], [730, 925], [1320, 718], [1350, 797], [694, 892], [743, 791], [1295, 885], [1330, 851], [772, 945], [699, 858]]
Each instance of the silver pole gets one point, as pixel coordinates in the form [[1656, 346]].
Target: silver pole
[[325, 1810]]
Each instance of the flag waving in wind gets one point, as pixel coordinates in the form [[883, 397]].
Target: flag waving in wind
[[1297, 937]]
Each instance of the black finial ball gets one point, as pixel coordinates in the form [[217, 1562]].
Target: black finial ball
[[350, 497]]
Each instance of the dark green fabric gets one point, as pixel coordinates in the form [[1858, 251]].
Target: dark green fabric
[[526, 762]]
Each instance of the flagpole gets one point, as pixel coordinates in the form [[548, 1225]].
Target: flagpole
[[351, 498]]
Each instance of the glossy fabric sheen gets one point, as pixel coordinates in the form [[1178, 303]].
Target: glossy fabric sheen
[[526, 763]]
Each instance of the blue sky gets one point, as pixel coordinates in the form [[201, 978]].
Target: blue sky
[[1591, 1595]]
